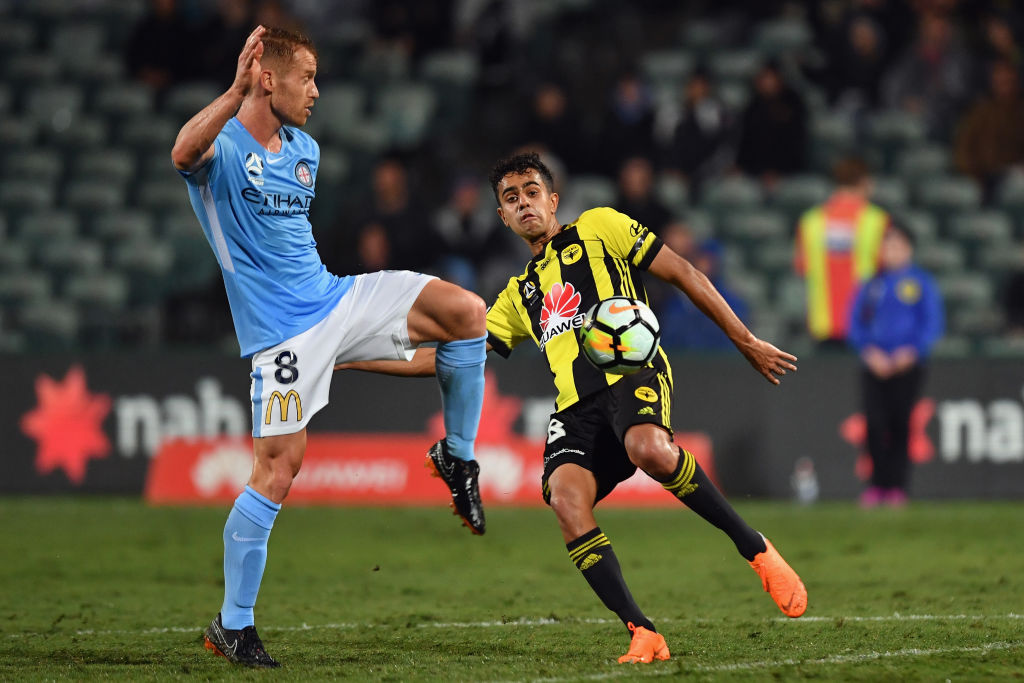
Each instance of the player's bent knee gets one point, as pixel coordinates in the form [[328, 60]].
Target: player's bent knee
[[654, 458], [470, 318]]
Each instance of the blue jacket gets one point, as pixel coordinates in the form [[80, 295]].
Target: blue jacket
[[897, 308]]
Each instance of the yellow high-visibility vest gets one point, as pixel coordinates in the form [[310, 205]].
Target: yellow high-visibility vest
[[870, 224]]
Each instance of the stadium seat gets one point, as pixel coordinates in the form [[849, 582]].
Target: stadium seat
[[890, 192], [734, 94], [16, 36], [671, 67], [1009, 197], [118, 225], [701, 36], [976, 321], [113, 165], [31, 68], [43, 164], [921, 223], [183, 101], [589, 191], [334, 168], [15, 255], [735, 65], [796, 194], [940, 257], [966, 288], [90, 196], [949, 193], [6, 99], [791, 300], [164, 194], [49, 325], [85, 133], [96, 71], [924, 161], [782, 36], [672, 191], [733, 192], [123, 99], [407, 110], [952, 345], [149, 134], [990, 227], [77, 40], [760, 225], [147, 265], [701, 223], [453, 67], [774, 257], [1000, 259], [47, 225], [18, 285], [752, 287], [55, 104], [383, 65], [21, 195], [98, 291], [892, 131], [1003, 347], [18, 132], [340, 109], [62, 258]]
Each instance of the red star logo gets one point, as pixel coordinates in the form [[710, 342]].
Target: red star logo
[[67, 425]]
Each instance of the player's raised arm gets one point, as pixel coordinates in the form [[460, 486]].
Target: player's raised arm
[[194, 144], [766, 358]]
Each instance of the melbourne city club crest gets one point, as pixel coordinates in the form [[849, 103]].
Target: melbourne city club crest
[[303, 174]]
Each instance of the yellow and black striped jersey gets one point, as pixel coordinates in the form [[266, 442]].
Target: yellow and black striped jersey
[[598, 256]]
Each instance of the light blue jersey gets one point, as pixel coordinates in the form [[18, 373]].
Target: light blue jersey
[[254, 209]]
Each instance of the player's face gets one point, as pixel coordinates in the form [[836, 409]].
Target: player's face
[[526, 205], [295, 89]]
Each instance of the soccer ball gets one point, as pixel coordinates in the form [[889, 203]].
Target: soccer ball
[[620, 335]]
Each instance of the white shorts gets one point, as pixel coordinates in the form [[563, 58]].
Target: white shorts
[[291, 381]]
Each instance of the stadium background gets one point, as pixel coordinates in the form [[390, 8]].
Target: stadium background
[[114, 329]]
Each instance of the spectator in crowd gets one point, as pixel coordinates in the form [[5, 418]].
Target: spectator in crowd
[[636, 197], [683, 325], [856, 62], [837, 248], [224, 30], [156, 54], [391, 234], [703, 142], [773, 141], [474, 247], [990, 138], [933, 79], [896, 318], [628, 127], [1000, 40], [553, 126]]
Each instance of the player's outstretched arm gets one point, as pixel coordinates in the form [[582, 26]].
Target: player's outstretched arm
[[194, 144], [421, 365], [766, 359]]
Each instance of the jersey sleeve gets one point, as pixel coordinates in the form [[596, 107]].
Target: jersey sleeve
[[222, 146], [505, 329], [624, 237]]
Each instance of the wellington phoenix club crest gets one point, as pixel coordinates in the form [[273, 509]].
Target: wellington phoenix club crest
[[560, 313]]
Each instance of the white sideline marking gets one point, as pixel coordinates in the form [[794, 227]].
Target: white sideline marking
[[543, 621], [662, 670]]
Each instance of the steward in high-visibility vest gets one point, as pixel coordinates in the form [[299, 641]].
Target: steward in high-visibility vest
[[837, 250]]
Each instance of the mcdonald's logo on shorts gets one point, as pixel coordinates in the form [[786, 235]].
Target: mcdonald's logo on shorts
[[283, 403]]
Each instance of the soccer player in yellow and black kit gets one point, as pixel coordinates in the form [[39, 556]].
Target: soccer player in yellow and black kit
[[605, 426]]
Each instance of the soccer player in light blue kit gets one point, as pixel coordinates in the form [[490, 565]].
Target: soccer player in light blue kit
[[251, 176]]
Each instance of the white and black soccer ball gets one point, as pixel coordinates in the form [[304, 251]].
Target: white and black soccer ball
[[620, 335]]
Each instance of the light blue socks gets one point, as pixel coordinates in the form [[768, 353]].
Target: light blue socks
[[460, 373], [245, 555]]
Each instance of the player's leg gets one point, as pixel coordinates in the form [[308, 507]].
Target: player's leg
[[456, 319], [906, 389], [876, 398], [574, 461]]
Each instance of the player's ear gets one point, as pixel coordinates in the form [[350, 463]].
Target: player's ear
[[267, 80], [501, 215], [554, 202]]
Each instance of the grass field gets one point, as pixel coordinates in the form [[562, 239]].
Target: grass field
[[110, 588]]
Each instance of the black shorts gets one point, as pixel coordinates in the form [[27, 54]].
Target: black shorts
[[589, 433]]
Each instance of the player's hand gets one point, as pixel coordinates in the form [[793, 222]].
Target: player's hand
[[769, 360], [248, 73], [878, 362]]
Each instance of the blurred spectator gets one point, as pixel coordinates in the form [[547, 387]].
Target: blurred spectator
[[837, 248], [415, 28], [683, 325], [158, 49], [896, 318], [852, 76], [636, 196], [628, 126], [476, 253], [1013, 304], [227, 28], [703, 141], [933, 79], [1000, 40], [773, 141], [990, 138], [275, 13], [392, 233], [555, 127]]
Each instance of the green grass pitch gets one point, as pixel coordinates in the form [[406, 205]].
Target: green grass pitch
[[112, 589]]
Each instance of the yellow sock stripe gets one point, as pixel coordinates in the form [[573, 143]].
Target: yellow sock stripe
[[681, 482], [577, 554]]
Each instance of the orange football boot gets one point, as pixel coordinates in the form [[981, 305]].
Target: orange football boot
[[645, 646], [780, 581]]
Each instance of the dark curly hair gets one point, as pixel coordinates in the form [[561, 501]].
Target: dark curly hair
[[520, 163]]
